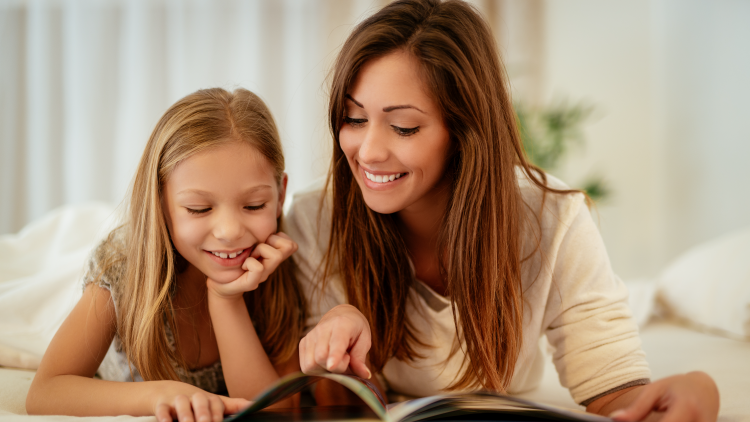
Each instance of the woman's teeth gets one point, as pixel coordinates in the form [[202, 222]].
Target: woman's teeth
[[383, 178], [226, 255]]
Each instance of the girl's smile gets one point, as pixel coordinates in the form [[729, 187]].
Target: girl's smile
[[230, 259], [219, 205]]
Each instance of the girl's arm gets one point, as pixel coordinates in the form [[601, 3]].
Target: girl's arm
[[247, 369], [64, 383]]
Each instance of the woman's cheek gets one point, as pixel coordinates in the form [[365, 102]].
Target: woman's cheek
[[347, 142]]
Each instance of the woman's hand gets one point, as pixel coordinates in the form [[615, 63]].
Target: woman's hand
[[264, 260], [339, 344], [691, 397], [186, 403]]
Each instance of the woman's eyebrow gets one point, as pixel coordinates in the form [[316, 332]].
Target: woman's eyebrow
[[400, 107], [385, 109], [347, 96]]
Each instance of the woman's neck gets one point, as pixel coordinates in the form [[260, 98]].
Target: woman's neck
[[420, 228], [420, 222]]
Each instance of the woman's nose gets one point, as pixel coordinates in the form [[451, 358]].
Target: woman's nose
[[374, 147]]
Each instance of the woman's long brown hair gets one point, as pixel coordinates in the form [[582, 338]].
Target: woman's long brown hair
[[480, 237], [200, 121]]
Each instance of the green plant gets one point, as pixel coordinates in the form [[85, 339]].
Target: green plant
[[548, 133]]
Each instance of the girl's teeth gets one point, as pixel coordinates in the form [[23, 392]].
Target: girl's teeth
[[230, 256], [383, 178]]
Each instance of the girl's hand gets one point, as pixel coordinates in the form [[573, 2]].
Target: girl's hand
[[264, 260], [692, 397], [339, 344], [199, 406]]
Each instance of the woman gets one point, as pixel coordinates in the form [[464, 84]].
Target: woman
[[438, 243]]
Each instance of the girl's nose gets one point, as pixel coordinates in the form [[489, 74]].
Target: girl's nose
[[228, 227], [374, 147]]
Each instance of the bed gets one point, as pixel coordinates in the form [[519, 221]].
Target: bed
[[694, 316]]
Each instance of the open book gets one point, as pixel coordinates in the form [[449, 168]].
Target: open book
[[475, 406]]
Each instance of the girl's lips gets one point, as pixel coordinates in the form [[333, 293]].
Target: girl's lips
[[379, 186], [231, 262]]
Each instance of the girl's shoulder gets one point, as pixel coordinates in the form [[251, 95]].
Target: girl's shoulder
[[106, 265]]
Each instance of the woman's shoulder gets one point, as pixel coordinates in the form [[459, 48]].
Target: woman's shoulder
[[549, 208], [308, 221]]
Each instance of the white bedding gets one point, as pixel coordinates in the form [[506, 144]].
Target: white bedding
[[41, 266]]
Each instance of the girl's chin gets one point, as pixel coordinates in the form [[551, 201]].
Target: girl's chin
[[226, 277]]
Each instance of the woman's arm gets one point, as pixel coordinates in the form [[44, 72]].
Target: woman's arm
[[338, 344], [64, 383], [247, 369], [689, 397]]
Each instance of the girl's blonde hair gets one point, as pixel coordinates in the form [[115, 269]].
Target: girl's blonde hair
[[200, 121]]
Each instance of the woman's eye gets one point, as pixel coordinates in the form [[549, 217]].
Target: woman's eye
[[199, 211], [354, 122], [405, 131], [255, 207]]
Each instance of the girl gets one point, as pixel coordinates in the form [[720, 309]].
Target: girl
[[178, 285], [456, 253]]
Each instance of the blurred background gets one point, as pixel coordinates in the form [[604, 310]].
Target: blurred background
[[644, 103]]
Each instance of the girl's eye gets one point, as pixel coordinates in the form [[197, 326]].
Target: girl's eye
[[201, 211], [354, 122], [255, 207], [405, 131]]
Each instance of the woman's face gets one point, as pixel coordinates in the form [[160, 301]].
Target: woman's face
[[394, 137], [219, 205]]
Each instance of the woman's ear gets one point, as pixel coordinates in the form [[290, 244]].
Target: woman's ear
[[282, 194]]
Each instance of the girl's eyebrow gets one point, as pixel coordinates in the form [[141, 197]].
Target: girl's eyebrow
[[385, 109], [209, 194]]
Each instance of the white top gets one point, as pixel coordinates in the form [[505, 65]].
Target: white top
[[574, 298]]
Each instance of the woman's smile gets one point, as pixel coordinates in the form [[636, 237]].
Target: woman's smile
[[394, 137], [381, 180]]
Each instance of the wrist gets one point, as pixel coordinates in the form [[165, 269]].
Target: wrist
[[219, 303], [225, 298]]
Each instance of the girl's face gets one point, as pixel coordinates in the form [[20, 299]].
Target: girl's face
[[394, 137], [219, 204]]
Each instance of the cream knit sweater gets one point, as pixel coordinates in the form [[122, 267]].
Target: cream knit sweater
[[570, 291]]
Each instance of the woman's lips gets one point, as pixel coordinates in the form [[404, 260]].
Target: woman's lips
[[380, 186]]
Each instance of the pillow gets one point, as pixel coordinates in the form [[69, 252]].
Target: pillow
[[641, 296], [709, 285], [40, 277]]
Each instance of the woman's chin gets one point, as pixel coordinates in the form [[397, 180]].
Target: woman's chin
[[381, 206]]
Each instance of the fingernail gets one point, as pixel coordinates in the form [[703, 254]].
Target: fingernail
[[329, 364], [369, 374], [617, 413]]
